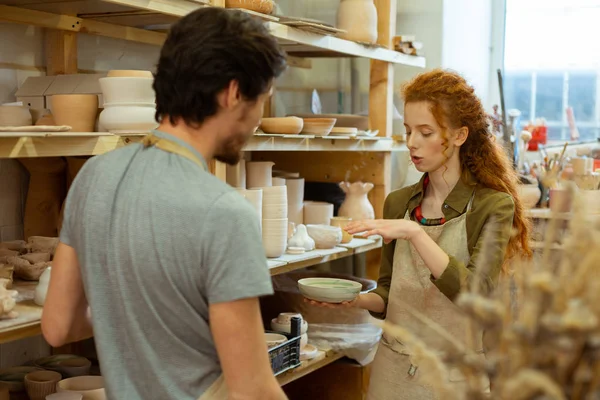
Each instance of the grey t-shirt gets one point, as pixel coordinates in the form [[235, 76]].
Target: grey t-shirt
[[159, 239]]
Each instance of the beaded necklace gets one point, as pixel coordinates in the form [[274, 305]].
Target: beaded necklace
[[419, 214]]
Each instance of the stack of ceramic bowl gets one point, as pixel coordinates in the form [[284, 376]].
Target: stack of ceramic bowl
[[283, 324], [295, 193], [255, 197], [275, 220], [129, 104]]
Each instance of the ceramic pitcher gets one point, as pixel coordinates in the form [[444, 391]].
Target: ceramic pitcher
[[359, 19], [356, 205]]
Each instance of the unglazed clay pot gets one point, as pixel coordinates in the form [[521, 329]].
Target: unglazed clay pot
[[47, 189], [356, 205], [75, 110], [359, 19], [261, 6]]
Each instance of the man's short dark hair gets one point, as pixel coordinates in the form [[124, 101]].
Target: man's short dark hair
[[203, 53]]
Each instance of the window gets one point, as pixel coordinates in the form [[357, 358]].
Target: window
[[552, 61]]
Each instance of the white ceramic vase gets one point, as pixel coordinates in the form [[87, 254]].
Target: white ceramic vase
[[356, 205], [359, 19], [128, 118], [42, 288], [119, 90]]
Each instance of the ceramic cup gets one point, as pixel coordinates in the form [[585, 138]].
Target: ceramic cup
[[560, 200], [40, 384], [286, 318], [341, 223]]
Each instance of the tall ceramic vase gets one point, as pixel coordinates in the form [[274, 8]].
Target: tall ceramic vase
[[356, 205], [359, 19]]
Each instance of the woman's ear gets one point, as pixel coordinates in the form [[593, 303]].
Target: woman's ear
[[460, 136]]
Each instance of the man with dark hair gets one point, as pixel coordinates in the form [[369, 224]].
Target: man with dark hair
[[168, 257]]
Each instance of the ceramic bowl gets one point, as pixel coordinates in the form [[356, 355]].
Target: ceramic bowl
[[129, 73], [274, 339], [303, 341], [318, 126], [287, 328], [91, 387], [68, 365], [122, 119], [325, 236], [284, 125], [14, 377], [65, 396], [118, 90], [40, 384], [286, 317], [329, 290], [15, 116]]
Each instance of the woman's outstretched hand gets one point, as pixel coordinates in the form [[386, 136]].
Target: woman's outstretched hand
[[389, 229]]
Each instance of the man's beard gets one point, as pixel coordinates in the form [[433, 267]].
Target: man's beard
[[230, 152]]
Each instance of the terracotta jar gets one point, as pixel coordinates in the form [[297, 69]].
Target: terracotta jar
[[75, 110], [47, 189], [359, 19], [356, 205]]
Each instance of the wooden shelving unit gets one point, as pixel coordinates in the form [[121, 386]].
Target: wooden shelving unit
[[27, 324], [323, 359], [126, 19], [328, 159], [65, 144]]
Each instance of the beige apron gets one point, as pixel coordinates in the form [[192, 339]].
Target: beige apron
[[393, 377], [218, 390]]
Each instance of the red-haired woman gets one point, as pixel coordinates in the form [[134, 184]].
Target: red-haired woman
[[433, 230]]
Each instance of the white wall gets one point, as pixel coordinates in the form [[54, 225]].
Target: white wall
[[466, 44]]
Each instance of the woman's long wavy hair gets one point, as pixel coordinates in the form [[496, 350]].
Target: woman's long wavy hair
[[455, 105]]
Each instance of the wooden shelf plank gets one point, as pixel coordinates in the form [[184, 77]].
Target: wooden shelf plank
[[62, 144], [316, 257], [296, 42], [27, 324], [323, 359]]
